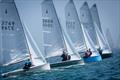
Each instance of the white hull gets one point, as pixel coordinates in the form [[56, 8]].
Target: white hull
[[107, 51], [74, 57], [34, 68]]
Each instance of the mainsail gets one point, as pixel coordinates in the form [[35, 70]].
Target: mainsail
[[73, 27], [36, 56], [89, 42], [53, 39], [103, 43], [13, 44], [88, 29], [86, 20], [33, 32]]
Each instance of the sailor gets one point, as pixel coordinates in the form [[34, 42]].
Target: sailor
[[64, 56], [27, 65], [88, 53], [100, 51]]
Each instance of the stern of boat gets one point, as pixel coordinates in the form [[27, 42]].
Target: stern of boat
[[106, 53]]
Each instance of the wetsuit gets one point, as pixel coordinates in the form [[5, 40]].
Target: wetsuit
[[64, 56], [27, 65], [87, 54]]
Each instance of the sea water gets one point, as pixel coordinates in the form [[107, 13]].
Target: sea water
[[107, 69]]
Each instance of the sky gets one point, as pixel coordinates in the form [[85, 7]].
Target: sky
[[109, 13]]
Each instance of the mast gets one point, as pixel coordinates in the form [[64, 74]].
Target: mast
[[86, 20], [24, 34], [53, 39], [29, 36], [100, 34], [73, 27], [95, 16]]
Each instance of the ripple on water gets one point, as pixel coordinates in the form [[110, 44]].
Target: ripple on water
[[108, 69]]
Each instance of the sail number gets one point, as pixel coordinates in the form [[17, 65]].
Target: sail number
[[47, 23], [7, 25], [70, 25]]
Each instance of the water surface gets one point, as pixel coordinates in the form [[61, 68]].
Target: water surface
[[108, 69]]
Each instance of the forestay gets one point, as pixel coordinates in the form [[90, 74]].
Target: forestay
[[36, 56]]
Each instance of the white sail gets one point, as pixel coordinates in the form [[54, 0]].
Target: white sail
[[73, 27], [13, 44], [101, 40], [36, 56], [57, 37], [69, 45], [88, 29], [86, 20], [100, 34], [31, 13], [89, 42], [33, 33], [53, 39]]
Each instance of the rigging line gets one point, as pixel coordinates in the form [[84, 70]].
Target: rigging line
[[22, 28], [59, 27]]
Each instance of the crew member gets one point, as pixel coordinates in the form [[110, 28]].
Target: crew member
[[65, 56], [27, 65], [88, 53]]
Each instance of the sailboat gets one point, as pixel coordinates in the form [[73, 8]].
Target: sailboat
[[55, 40], [17, 46], [89, 32], [103, 43]]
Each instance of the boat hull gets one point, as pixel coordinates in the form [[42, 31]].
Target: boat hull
[[92, 59], [21, 71], [106, 54], [67, 63]]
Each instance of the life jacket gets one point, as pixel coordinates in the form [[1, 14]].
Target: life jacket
[[88, 54], [27, 65]]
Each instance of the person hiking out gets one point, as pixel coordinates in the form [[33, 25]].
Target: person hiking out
[[27, 65], [88, 53], [65, 56]]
